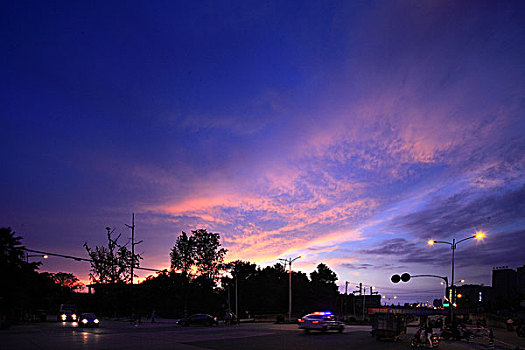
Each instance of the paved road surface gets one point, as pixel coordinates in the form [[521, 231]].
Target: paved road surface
[[147, 336]]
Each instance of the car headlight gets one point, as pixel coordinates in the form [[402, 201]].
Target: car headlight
[[63, 317], [74, 316], [96, 320], [84, 321]]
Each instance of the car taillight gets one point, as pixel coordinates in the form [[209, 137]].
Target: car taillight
[[315, 321], [300, 320]]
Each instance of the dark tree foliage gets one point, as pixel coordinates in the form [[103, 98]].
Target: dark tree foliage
[[324, 274], [208, 256], [11, 249], [23, 288], [111, 264], [173, 294], [198, 253], [324, 291], [66, 280], [183, 254], [265, 290]]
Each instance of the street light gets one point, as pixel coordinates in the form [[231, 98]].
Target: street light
[[44, 256], [453, 245], [289, 261]]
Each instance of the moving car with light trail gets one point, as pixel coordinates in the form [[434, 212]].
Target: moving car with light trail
[[88, 320], [320, 321]]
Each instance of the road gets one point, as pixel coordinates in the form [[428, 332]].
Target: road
[[147, 336]]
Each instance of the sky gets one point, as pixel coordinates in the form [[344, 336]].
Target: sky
[[348, 131]]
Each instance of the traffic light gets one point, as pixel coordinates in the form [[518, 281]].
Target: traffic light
[[395, 278], [404, 277]]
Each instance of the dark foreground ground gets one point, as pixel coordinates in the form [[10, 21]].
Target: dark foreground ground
[[166, 334]]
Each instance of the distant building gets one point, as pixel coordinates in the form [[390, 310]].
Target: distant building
[[504, 282], [473, 296], [520, 274]]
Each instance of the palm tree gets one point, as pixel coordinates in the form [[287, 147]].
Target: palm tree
[[11, 249]]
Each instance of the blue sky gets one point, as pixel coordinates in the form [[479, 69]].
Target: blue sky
[[351, 132]]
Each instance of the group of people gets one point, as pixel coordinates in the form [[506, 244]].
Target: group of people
[[230, 318], [424, 334]]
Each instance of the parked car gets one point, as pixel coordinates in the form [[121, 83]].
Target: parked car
[[320, 321], [88, 320], [198, 319]]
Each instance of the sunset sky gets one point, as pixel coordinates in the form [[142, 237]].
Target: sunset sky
[[348, 131]]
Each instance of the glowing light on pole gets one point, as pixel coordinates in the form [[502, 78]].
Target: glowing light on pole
[[453, 245], [289, 261]]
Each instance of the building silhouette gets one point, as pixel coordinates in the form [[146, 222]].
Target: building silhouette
[[504, 282]]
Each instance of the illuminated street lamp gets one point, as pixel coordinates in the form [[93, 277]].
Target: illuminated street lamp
[[289, 261], [453, 245], [44, 256]]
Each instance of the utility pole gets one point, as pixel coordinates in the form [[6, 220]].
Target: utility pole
[[289, 261], [360, 286], [346, 300], [236, 300], [133, 244], [364, 302]]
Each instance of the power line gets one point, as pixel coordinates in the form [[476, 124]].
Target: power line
[[76, 258]]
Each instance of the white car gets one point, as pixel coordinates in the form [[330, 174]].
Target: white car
[[320, 321]]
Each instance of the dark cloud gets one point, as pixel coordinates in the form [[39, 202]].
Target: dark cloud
[[357, 266], [497, 249], [464, 211], [393, 246]]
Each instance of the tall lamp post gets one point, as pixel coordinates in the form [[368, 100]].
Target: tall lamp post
[[289, 261], [453, 245]]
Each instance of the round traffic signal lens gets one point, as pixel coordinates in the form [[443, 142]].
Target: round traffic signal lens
[[395, 278], [405, 277]]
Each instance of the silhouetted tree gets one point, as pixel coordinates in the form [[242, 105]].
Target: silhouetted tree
[[208, 256], [199, 252], [324, 291], [111, 264], [183, 254], [11, 250], [66, 280], [324, 274], [20, 280]]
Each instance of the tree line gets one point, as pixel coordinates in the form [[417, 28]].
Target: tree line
[[198, 281]]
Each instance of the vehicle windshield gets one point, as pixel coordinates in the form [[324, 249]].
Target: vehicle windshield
[[88, 316]]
